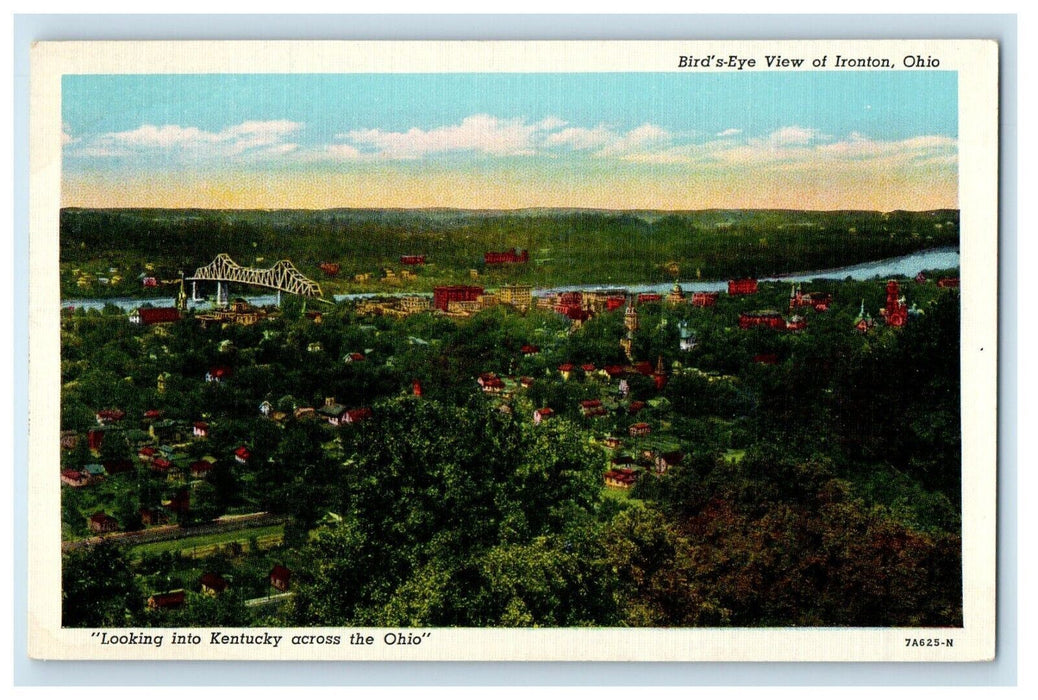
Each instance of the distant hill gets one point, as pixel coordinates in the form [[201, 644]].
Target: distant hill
[[566, 246]]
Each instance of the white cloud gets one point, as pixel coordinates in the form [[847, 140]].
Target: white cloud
[[480, 133], [340, 151], [793, 136], [173, 141], [494, 136], [580, 138], [796, 147], [789, 147], [637, 140]]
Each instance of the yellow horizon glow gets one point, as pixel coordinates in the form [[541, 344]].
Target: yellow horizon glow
[[809, 189]]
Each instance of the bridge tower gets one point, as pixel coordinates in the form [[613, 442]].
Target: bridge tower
[[181, 294]]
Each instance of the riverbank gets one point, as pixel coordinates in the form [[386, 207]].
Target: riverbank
[[910, 265]]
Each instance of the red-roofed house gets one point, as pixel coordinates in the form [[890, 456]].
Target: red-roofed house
[[152, 414], [704, 299], [529, 349], [592, 407], [667, 460], [639, 429], [242, 454], [212, 584], [635, 407], [75, 479], [491, 383], [171, 599], [161, 464], [200, 469], [356, 415], [412, 259], [620, 478], [280, 577], [102, 522], [565, 369], [541, 414], [146, 454], [200, 429], [109, 416]]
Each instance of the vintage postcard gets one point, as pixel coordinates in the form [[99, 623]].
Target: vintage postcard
[[632, 351]]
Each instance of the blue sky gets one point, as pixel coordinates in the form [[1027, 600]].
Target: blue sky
[[307, 140]]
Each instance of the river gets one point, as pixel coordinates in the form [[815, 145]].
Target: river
[[904, 266]]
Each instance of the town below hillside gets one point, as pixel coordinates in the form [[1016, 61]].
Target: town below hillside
[[768, 454]]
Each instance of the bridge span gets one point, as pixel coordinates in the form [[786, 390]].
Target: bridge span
[[283, 277]]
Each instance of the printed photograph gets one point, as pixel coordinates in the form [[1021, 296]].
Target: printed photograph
[[511, 350]]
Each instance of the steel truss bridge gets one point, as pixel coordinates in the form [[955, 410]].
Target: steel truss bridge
[[283, 276]]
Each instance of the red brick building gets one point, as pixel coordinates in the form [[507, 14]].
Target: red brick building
[[506, 257], [412, 259], [895, 313], [819, 301], [743, 286], [443, 296], [147, 317], [769, 319], [704, 299]]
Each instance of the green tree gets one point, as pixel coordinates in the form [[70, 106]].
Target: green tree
[[98, 588]]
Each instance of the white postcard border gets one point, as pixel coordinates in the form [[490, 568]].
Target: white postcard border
[[976, 64]]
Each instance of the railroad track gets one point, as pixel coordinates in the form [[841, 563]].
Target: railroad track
[[165, 533]]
